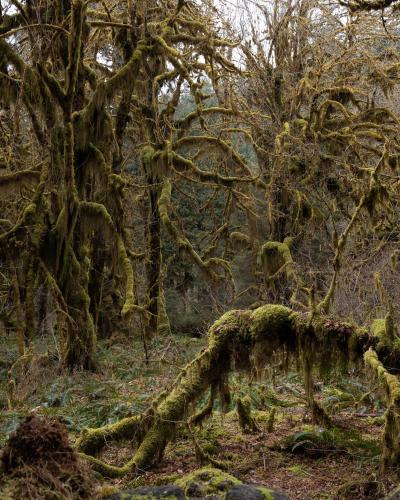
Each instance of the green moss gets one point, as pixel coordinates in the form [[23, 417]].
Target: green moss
[[267, 493], [209, 480], [246, 420], [164, 202], [129, 304], [29, 211], [271, 320], [391, 386], [378, 328], [92, 440], [148, 153]]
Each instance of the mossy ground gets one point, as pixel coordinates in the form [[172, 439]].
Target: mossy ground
[[124, 386]]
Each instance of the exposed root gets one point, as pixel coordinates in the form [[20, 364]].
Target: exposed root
[[92, 440], [38, 462]]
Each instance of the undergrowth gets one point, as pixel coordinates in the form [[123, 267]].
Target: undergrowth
[[290, 458]]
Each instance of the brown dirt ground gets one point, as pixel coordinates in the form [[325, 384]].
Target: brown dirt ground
[[257, 459]]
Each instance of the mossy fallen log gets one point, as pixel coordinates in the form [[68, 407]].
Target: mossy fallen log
[[239, 340]]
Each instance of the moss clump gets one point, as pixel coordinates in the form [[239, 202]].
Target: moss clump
[[378, 328], [213, 483], [271, 318], [271, 321], [206, 481], [148, 153], [384, 331]]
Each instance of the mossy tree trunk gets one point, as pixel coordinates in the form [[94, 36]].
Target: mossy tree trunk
[[153, 263], [76, 194]]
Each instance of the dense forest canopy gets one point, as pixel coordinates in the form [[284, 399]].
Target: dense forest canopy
[[200, 182]]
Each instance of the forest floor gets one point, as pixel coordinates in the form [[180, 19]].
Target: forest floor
[[297, 458]]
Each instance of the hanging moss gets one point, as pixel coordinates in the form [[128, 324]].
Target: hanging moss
[[240, 240], [206, 411], [231, 342], [378, 328], [13, 181], [275, 259]]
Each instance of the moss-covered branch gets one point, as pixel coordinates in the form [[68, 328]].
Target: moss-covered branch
[[18, 179], [235, 341], [391, 389], [209, 266]]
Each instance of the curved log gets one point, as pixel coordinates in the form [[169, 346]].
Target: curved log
[[237, 340]]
